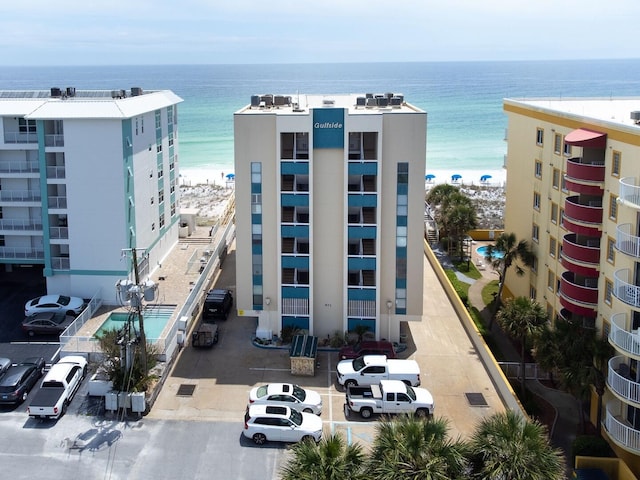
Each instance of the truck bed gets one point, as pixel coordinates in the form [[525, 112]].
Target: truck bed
[[205, 335], [46, 398], [372, 392]]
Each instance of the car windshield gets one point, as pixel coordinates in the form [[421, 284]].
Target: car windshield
[[262, 391], [299, 393], [296, 417], [358, 364], [62, 300], [411, 392], [58, 318]]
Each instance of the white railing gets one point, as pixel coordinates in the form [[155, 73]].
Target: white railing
[[618, 379], [295, 306], [57, 202], [19, 167], [621, 335], [70, 332], [626, 242], [54, 140], [625, 291], [56, 172], [19, 224], [620, 430], [629, 192], [20, 196], [21, 252], [60, 263], [59, 232], [20, 137], [361, 308]]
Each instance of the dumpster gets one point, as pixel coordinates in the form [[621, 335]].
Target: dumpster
[[302, 354]]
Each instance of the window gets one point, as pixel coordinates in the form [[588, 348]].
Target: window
[[160, 171], [608, 291], [158, 119], [535, 232], [538, 169], [616, 158], [567, 150], [556, 178], [611, 251], [554, 213], [551, 280], [158, 148], [553, 246], [161, 221], [153, 227], [26, 126], [613, 207], [536, 200], [539, 136], [171, 139], [557, 143], [534, 264], [562, 217], [550, 311], [563, 181], [533, 293], [161, 195]]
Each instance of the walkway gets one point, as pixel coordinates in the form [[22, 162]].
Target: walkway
[[563, 432]]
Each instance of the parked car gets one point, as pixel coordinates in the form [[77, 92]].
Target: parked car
[[367, 347], [287, 395], [54, 303], [5, 363], [275, 423], [217, 304], [48, 323], [19, 379]]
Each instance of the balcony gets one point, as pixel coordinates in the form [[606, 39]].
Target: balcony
[[20, 225], [580, 248], [23, 253], [19, 167], [585, 177], [60, 263], [619, 429], [54, 140], [624, 290], [20, 137], [580, 289], [586, 209], [568, 316], [56, 172], [21, 196], [361, 308], [629, 193], [620, 382], [626, 242], [57, 202], [58, 233], [622, 337]]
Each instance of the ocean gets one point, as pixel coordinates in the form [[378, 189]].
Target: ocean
[[463, 100]]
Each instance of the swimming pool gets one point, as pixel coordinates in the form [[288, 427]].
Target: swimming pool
[[155, 319], [483, 252]]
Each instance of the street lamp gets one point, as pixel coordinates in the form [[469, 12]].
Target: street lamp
[[389, 305]]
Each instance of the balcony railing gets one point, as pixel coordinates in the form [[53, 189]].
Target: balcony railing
[[361, 308], [619, 429], [295, 306], [619, 380], [589, 212], [59, 232], [588, 172], [20, 224], [583, 250], [626, 242], [583, 290], [629, 192], [56, 172], [621, 335], [19, 167], [26, 253], [57, 202], [54, 140], [624, 290], [60, 263], [20, 137], [19, 196]]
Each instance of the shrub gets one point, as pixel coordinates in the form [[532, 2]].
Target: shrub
[[590, 446]]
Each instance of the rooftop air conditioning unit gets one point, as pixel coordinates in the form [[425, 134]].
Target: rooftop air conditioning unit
[[56, 92], [635, 116], [136, 91], [71, 91]]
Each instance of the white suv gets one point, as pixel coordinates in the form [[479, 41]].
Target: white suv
[[280, 424]]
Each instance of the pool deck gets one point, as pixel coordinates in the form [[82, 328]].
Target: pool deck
[[175, 279]]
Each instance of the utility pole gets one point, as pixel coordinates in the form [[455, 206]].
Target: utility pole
[[139, 295]]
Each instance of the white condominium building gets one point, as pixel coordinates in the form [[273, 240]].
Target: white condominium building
[[330, 213], [573, 192], [84, 176]]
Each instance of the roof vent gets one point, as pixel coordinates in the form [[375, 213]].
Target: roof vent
[[635, 116], [56, 92], [136, 91], [328, 102], [71, 91]]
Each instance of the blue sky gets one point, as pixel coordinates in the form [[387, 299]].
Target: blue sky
[[123, 32]]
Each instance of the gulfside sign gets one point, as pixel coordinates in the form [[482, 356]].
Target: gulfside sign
[[328, 128]]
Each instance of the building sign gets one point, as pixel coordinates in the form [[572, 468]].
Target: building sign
[[328, 128]]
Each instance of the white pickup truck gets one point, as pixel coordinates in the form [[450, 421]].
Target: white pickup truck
[[389, 396], [58, 387], [370, 369]]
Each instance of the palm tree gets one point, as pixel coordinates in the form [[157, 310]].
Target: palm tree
[[331, 459], [409, 447], [512, 251], [522, 319], [508, 446], [461, 217]]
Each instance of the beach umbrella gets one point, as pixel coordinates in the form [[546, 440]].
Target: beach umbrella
[[484, 178], [429, 177], [231, 176], [455, 177]]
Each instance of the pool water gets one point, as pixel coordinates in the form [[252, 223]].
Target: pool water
[[155, 319], [483, 251]]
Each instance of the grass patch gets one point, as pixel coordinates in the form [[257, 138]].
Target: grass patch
[[461, 288], [489, 292], [468, 268]]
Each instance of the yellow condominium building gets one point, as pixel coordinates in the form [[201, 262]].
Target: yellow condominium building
[[573, 191], [330, 212]]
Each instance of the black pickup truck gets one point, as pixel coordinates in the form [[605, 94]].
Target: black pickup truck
[[205, 335]]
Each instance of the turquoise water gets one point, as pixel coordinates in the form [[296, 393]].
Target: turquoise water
[[483, 251], [466, 123], [155, 319]]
